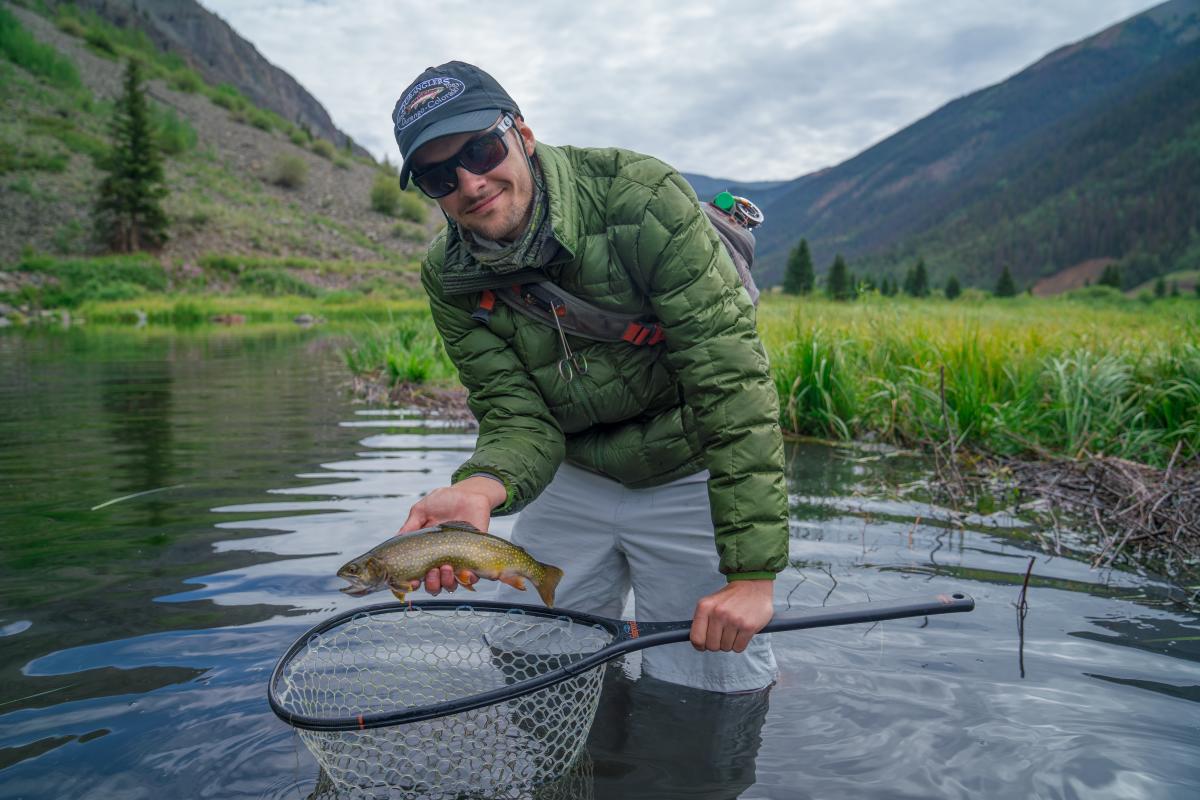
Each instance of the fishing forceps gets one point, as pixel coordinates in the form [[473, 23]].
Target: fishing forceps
[[571, 364]]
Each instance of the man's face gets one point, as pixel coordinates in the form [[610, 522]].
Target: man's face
[[495, 205]]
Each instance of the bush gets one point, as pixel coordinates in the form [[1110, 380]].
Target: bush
[[385, 195], [187, 81], [323, 148], [297, 137], [261, 119], [289, 171], [175, 135], [18, 46], [412, 207], [275, 282]]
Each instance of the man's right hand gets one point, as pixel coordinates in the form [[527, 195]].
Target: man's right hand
[[470, 500]]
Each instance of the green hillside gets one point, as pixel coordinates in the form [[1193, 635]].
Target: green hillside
[[245, 184]]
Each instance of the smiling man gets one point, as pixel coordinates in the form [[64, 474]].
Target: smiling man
[[632, 454]]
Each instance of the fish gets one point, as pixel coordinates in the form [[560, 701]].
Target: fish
[[407, 557]]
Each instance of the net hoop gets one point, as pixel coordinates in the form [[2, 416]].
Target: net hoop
[[432, 711]]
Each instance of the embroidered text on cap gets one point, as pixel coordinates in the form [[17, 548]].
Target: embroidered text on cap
[[424, 98]]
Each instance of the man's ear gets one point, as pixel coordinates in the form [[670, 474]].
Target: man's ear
[[526, 134]]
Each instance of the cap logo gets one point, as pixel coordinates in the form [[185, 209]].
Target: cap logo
[[428, 95]]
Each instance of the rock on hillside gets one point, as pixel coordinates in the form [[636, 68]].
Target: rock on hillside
[[215, 50], [222, 197]]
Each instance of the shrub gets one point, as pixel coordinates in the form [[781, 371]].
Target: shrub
[[187, 81], [323, 148], [18, 46], [289, 171], [275, 282], [261, 119], [412, 207], [342, 163], [385, 195], [175, 135], [297, 137]]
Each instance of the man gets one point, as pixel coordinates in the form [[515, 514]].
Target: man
[[627, 459]]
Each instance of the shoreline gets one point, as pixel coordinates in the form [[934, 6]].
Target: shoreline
[[1132, 514]]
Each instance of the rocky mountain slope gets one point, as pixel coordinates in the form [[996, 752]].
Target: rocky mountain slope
[[227, 194]]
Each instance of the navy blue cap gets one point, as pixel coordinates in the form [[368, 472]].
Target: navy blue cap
[[455, 97]]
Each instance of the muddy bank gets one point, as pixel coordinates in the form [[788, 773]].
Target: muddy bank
[[440, 402]]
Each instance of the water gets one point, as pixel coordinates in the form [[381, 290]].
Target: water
[[136, 638]]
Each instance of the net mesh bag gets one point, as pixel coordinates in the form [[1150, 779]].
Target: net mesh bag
[[418, 657]]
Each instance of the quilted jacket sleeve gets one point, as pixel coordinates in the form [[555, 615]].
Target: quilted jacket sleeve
[[519, 440], [714, 349]]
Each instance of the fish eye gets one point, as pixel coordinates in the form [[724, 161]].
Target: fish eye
[[352, 569]]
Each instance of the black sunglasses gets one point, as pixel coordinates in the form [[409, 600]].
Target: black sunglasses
[[479, 156]]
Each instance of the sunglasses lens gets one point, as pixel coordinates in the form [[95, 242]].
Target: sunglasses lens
[[484, 154], [437, 182]]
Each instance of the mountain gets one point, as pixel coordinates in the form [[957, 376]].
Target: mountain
[[243, 180], [984, 180], [208, 45]]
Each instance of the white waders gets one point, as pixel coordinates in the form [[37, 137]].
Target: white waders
[[658, 542]]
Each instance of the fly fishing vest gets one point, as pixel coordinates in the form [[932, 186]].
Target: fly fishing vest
[[732, 219]]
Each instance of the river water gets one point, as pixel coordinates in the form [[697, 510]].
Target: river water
[[137, 636]]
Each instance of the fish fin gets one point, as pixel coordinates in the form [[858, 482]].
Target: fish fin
[[464, 579], [515, 581], [459, 525], [548, 584], [399, 594]]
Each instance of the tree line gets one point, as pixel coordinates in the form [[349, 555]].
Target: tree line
[[842, 284]]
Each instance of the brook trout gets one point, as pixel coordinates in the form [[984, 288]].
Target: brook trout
[[409, 556]]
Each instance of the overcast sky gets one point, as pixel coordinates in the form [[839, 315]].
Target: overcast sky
[[711, 87]]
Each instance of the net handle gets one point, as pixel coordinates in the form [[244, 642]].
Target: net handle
[[628, 637]]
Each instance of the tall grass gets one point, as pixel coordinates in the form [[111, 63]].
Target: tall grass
[[1059, 376], [18, 46], [406, 349]]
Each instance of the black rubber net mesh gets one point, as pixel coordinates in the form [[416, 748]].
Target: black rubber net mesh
[[418, 657]]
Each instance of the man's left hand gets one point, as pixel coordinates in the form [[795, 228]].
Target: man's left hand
[[726, 619]]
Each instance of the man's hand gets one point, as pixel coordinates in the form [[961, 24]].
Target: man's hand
[[470, 500], [726, 619]]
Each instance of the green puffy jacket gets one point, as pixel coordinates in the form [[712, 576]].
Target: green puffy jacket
[[632, 238]]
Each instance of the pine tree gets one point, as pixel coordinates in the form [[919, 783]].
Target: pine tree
[[916, 282], [128, 213], [953, 290], [799, 277], [1174, 288], [1006, 287], [1110, 277], [838, 283], [1160, 287]]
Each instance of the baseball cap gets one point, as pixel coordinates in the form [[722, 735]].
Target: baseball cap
[[455, 97]]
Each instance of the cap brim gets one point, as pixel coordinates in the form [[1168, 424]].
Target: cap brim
[[463, 123]]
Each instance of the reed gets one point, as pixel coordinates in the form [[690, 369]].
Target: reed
[[1059, 376]]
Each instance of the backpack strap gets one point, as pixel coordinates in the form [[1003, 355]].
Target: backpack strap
[[550, 304]]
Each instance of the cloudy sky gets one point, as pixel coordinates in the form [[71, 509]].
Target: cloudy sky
[[752, 91]]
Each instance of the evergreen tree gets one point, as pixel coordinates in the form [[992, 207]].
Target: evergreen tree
[[1110, 277], [1006, 287], [838, 283], [953, 290], [916, 282], [1174, 288], [799, 277], [128, 215], [885, 287], [1160, 287], [853, 285]]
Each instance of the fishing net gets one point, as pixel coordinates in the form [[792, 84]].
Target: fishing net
[[422, 661]]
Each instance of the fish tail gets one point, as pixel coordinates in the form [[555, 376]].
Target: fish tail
[[548, 584]]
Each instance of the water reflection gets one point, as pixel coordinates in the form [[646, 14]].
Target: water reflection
[[137, 639]]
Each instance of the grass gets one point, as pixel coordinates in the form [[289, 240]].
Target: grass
[[18, 46], [1061, 376], [406, 349]]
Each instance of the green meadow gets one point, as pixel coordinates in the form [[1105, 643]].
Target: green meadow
[[1091, 373]]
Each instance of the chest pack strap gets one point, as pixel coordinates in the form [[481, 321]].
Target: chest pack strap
[[552, 305]]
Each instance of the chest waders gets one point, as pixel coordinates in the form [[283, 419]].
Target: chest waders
[[733, 219]]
